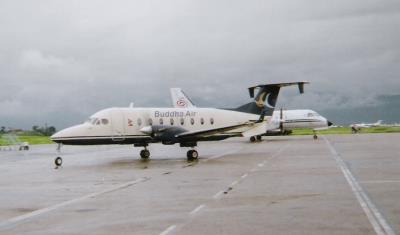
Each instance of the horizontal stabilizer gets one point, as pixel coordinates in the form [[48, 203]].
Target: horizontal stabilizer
[[284, 84]]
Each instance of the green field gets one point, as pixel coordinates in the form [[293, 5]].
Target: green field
[[347, 130], [337, 130], [29, 139]]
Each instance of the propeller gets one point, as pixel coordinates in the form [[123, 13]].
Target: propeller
[[154, 131], [148, 130]]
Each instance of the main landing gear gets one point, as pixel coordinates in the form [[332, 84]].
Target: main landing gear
[[192, 155], [145, 153], [58, 160], [255, 138]]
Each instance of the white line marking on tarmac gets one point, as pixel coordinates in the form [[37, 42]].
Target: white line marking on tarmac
[[35, 213], [222, 154], [376, 219], [379, 181], [217, 195], [168, 230], [197, 209]]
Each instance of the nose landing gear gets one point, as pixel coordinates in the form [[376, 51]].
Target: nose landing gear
[[58, 160], [315, 135]]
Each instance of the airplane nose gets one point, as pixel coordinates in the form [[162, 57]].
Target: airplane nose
[[329, 123], [67, 133], [57, 135]]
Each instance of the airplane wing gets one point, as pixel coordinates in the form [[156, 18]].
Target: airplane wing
[[212, 132]]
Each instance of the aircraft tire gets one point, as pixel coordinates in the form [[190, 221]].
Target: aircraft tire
[[192, 155], [258, 137], [144, 154], [58, 161], [315, 137], [253, 139]]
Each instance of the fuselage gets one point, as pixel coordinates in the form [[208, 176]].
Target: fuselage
[[301, 118], [126, 125]]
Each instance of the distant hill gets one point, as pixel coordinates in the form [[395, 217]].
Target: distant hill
[[387, 110]]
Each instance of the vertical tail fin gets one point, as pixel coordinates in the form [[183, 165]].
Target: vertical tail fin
[[180, 99]]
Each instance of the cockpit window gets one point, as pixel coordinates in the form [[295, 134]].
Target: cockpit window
[[97, 121], [92, 121], [312, 114]]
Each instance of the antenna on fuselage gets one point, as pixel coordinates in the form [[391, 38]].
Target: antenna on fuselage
[[131, 105]]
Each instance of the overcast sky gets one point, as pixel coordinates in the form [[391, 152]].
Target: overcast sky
[[60, 61]]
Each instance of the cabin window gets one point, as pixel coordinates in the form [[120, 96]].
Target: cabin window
[[212, 121], [139, 122], [182, 121], [171, 121], [104, 121], [150, 121], [202, 121], [161, 121], [192, 121]]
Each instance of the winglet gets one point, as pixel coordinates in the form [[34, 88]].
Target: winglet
[[301, 87]]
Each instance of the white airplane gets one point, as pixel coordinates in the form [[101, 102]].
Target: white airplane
[[283, 121], [367, 125], [288, 120], [358, 126], [186, 127]]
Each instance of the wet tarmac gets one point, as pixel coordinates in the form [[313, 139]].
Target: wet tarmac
[[338, 184]]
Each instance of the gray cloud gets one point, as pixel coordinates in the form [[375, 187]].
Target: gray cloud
[[60, 61]]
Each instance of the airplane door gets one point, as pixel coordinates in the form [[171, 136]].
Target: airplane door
[[117, 125]]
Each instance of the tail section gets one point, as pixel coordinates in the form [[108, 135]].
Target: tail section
[[180, 99], [266, 98]]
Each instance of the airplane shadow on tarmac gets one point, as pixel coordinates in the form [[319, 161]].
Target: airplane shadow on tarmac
[[153, 163]]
